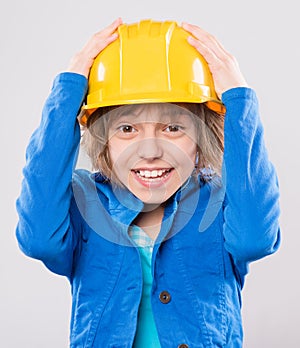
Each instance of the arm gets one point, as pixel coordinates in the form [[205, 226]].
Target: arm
[[45, 230], [251, 207]]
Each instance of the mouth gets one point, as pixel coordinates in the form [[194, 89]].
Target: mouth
[[152, 175]]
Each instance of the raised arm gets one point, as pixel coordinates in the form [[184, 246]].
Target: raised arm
[[251, 209], [45, 229]]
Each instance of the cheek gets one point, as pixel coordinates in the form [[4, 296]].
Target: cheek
[[114, 155], [121, 158], [191, 151], [187, 153], [184, 161], [116, 149], [188, 158]]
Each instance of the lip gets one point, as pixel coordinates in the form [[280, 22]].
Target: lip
[[164, 174], [152, 168]]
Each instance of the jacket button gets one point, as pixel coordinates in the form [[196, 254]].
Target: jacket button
[[164, 297], [183, 346]]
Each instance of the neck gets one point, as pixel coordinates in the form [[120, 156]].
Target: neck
[[150, 219]]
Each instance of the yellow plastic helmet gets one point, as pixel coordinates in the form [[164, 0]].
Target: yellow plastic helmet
[[150, 62]]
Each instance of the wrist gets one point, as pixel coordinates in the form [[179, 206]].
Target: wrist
[[80, 64]]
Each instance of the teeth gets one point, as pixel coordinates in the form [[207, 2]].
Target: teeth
[[151, 173]]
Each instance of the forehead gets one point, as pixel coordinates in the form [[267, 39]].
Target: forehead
[[156, 112]]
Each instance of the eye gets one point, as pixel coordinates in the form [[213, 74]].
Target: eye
[[173, 128], [126, 128]]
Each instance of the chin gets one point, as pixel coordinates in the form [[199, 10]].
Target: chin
[[152, 197]]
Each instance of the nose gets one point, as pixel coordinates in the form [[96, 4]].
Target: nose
[[150, 148]]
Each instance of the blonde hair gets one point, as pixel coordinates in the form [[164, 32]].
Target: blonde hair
[[210, 138]]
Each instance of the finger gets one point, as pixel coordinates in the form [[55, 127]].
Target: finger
[[95, 46], [102, 39], [207, 39], [106, 41], [109, 30], [209, 55]]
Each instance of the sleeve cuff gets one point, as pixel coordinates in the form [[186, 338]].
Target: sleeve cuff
[[238, 92], [70, 77]]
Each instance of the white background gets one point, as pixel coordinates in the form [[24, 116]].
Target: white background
[[37, 40]]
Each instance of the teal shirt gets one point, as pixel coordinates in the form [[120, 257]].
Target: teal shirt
[[146, 334]]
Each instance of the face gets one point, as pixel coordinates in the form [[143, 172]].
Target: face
[[152, 149]]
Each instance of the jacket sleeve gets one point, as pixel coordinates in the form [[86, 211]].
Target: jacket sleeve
[[44, 229], [251, 209]]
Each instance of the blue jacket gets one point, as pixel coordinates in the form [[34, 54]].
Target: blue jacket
[[77, 224]]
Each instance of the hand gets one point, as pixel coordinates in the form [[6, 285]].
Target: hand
[[223, 66], [83, 60]]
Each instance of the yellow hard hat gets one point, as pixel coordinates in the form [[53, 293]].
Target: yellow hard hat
[[150, 62]]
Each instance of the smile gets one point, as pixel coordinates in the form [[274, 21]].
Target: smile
[[152, 174]]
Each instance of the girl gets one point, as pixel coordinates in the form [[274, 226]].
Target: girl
[[157, 241]]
